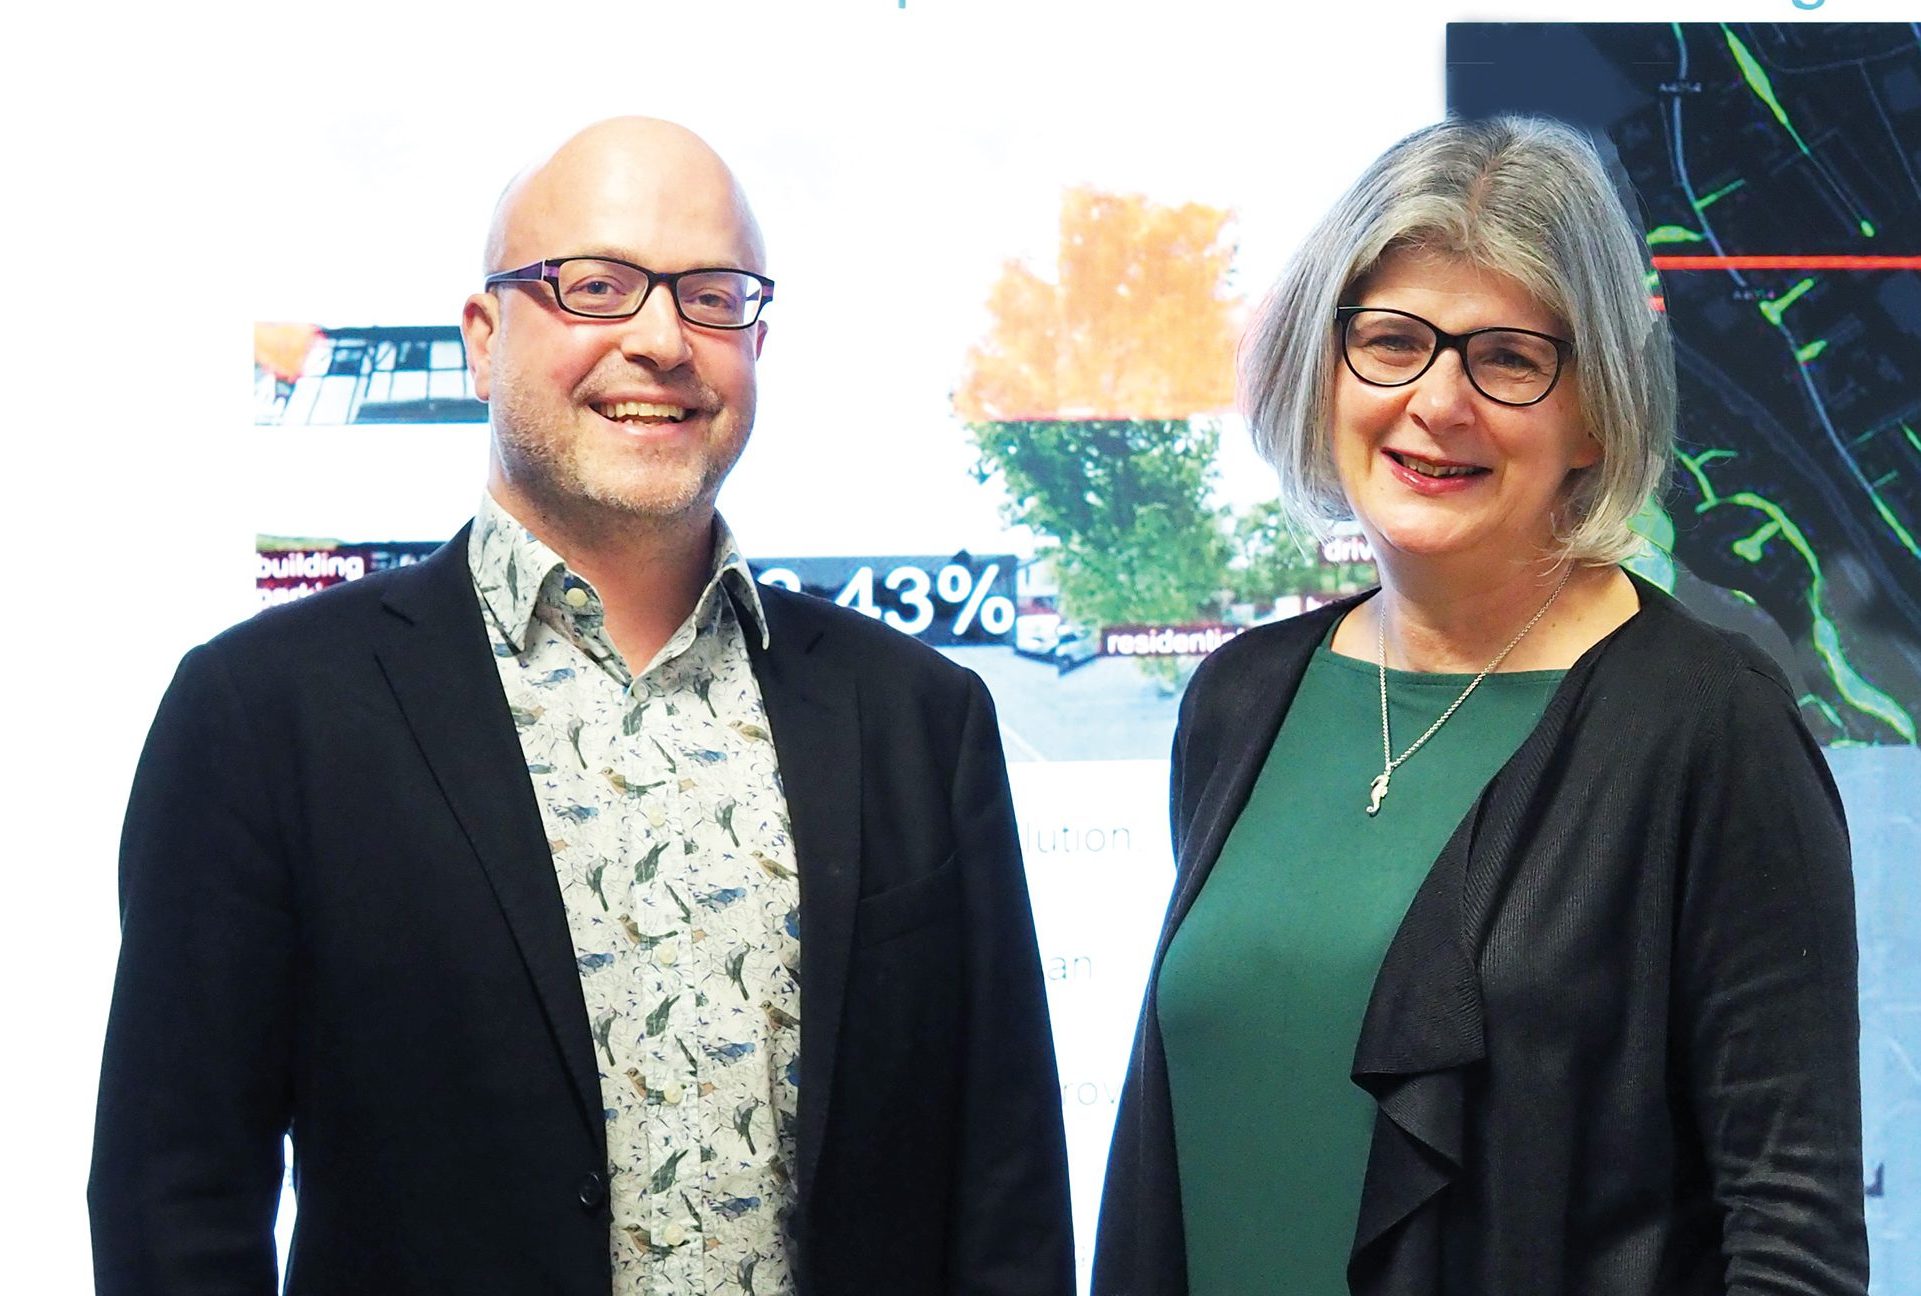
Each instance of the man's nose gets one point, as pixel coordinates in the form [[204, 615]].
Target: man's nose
[[655, 332]]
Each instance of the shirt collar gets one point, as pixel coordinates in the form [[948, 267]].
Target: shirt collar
[[517, 574]]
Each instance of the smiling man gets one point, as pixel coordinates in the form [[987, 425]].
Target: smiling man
[[594, 920]]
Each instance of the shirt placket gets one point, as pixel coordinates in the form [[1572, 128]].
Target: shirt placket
[[618, 995], [673, 1135], [646, 980]]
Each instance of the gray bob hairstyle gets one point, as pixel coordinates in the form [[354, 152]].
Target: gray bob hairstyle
[[1530, 199]]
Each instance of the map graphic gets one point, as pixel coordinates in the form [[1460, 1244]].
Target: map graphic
[[1778, 174], [1776, 167]]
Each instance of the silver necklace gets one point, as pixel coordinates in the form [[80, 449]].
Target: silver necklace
[[1377, 790]]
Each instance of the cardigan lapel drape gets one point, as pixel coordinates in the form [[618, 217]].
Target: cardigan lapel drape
[[1205, 815], [1423, 1030]]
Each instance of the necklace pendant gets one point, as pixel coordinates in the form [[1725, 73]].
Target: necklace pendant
[[1377, 792]]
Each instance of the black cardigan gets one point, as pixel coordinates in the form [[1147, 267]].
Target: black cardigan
[[1614, 1043]]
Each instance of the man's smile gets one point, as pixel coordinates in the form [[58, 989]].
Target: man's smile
[[634, 411]]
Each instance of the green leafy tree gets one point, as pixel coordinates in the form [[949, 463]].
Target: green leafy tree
[[1272, 558], [1127, 503]]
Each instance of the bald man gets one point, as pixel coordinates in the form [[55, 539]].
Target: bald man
[[593, 920]]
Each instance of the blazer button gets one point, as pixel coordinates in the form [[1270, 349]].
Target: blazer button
[[593, 1191]]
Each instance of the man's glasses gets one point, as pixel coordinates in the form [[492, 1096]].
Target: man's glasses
[[603, 288], [1391, 348]]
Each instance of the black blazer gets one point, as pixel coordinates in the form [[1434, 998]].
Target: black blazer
[[340, 919], [1614, 1043]]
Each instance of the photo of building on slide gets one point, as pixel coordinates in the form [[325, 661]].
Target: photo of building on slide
[[306, 376]]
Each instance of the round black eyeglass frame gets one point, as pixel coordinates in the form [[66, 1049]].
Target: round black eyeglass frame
[[1446, 341], [548, 272]]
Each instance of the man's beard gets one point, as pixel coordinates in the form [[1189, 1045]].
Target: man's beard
[[578, 476]]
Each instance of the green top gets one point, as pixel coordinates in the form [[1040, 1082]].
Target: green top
[[1264, 985]]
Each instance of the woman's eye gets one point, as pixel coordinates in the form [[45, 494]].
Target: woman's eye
[[1393, 344], [1512, 362]]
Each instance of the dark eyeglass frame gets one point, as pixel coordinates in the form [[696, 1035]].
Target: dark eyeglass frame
[[1446, 341], [548, 272]]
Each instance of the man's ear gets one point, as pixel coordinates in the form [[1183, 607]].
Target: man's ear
[[479, 324], [760, 337]]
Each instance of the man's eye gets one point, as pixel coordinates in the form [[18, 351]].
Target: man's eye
[[597, 288]]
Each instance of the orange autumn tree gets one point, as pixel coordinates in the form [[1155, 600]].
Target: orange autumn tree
[[1137, 324], [1092, 399]]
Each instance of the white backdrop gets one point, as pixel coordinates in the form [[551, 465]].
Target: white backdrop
[[177, 177]]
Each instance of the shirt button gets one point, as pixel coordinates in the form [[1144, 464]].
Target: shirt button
[[674, 1234], [665, 955], [671, 1094], [576, 597], [593, 1191]]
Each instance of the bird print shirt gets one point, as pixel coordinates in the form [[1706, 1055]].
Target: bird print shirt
[[663, 808]]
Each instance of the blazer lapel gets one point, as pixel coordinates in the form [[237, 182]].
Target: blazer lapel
[[813, 710], [437, 659]]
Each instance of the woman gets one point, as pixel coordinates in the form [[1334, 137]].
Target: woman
[[1512, 944]]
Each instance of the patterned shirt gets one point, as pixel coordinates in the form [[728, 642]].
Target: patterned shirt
[[663, 807]]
